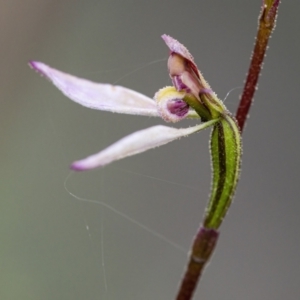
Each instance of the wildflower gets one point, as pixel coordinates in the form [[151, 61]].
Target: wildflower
[[190, 97]]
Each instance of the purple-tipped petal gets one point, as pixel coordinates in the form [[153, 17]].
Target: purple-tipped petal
[[97, 95], [183, 70], [177, 47], [135, 143]]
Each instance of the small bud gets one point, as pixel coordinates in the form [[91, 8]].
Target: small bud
[[170, 104]]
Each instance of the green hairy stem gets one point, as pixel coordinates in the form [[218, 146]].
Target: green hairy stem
[[226, 150]]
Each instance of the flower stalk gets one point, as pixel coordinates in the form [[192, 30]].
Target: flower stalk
[[266, 25], [203, 246]]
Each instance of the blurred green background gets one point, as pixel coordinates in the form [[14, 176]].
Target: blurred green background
[[56, 247]]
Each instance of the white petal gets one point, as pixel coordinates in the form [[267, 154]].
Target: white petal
[[97, 95], [135, 143]]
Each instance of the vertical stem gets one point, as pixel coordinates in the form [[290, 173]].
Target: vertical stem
[[202, 249], [267, 22]]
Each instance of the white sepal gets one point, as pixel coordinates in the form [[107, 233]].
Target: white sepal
[[99, 96], [135, 143]]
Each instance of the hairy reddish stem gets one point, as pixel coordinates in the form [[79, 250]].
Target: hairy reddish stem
[[202, 249], [267, 22]]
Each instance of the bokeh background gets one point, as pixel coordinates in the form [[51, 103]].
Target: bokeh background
[[54, 246]]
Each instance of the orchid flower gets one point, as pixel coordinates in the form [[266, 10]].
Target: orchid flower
[[189, 97]]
